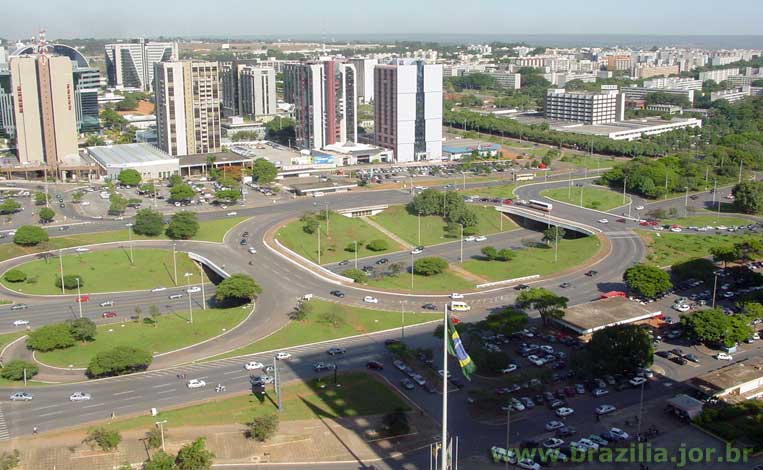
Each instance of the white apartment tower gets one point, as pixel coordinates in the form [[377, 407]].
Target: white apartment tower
[[187, 107], [131, 64], [408, 110], [257, 91], [365, 69]]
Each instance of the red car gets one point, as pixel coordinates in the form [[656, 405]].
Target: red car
[[375, 365], [82, 298], [508, 202], [109, 314]]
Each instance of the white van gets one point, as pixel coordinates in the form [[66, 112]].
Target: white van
[[459, 307]]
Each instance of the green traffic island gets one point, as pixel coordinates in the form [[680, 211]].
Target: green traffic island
[[319, 320], [601, 199], [115, 270], [668, 249], [536, 257], [430, 274], [710, 222]]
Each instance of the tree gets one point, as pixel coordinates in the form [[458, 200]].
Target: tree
[[15, 275], [748, 197], [396, 422], [227, 195], [154, 438], [117, 361], [724, 254], [280, 130], [129, 177], [71, 281], [303, 310], [50, 337], [429, 266], [184, 225], [715, 327], [10, 460], [616, 349], [77, 196], [175, 180], [350, 247], [30, 235], [264, 172], [40, 198], [82, 329], [46, 215], [310, 224], [194, 456], [181, 192], [148, 222], [647, 281], [489, 252], [153, 311], [148, 188], [118, 204], [506, 321], [546, 303], [552, 234], [505, 254], [160, 461], [238, 288], [105, 439], [262, 428], [9, 206], [356, 275], [378, 245], [14, 370]]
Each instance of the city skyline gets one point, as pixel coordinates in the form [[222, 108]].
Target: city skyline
[[489, 17]]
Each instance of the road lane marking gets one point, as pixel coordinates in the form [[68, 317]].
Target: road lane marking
[[161, 385], [52, 414], [232, 372], [123, 393], [94, 405], [166, 391]]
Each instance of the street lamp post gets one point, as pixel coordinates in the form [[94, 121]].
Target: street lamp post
[[402, 319], [319, 244], [129, 238], [715, 287], [625, 185], [161, 431], [686, 202], [187, 291], [79, 295], [356, 253], [61, 264], [461, 256], [203, 295], [175, 263], [418, 220]]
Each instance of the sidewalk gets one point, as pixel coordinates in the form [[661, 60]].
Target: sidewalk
[[386, 232], [348, 439]]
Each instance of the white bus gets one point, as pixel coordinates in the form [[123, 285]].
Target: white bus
[[524, 176], [544, 206]]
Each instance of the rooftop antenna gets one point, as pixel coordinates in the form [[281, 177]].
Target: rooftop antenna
[[42, 43]]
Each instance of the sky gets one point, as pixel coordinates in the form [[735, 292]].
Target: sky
[[152, 18]]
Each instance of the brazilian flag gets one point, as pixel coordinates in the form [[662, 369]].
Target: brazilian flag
[[456, 349]]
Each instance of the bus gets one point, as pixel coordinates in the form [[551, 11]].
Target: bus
[[544, 206], [524, 176], [459, 307]]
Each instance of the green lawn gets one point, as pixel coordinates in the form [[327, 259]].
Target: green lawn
[[592, 163], [342, 232], [531, 261], [360, 395], [593, 198], [106, 271], [319, 327], [173, 331], [211, 230], [667, 249], [707, 220], [405, 225], [503, 191], [445, 282]]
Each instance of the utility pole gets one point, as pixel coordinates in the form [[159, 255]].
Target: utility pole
[[188, 287], [277, 383], [61, 263], [461, 257], [161, 431], [203, 295], [175, 263], [402, 319], [79, 295], [356, 253]]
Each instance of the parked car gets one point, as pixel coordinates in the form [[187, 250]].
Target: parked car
[[283, 355], [564, 411], [722, 356], [408, 384], [604, 409]]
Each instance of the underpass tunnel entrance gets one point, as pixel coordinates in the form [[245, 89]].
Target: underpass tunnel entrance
[[570, 232]]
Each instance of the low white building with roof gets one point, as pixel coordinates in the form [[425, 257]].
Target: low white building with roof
[[146, 159]]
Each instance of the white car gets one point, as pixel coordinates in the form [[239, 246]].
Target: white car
[[681, 307], [564, 411], [604, 409], [441, 372], [417, 251], [538, 361], [253, 365], [510, 368], [554, 425], [619, 433], [722, 356], [158, 289], [21, 396], [107, 303], [252, 250], [193, 290], [470, 238], [283, 355], [84, 203], [603, 221], [636, 381], [456, 295], [231, 214], [481, 238], [639, 208], [196, 383], [553, 442], [370, 300], [589, 443], [528, 464], [82, 250], [21, 322], [79, 396], [675, 229]]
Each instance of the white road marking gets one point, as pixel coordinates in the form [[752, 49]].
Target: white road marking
[[123, 393], [166, 391], [94, 405], [161, 386]]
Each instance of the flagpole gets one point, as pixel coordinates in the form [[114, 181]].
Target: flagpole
[[445, 331]]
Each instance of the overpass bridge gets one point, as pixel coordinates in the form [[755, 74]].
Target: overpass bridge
[[209, 264], [546, 217]]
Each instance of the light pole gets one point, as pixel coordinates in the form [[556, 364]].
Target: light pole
[[461, 257], [61, 263], [327, 220], [175, 263], [79, 295], [640, 413], [402, 319], [356, 253], [581, 195], [319, 244], [161, 431], [508, 431], [187, 291], [556, 244], [625, 185], [686, 202], [715, 287], [203, 295], [418, 220], [129, 238]]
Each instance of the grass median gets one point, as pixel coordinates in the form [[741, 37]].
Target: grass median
[[667, 249], [105, 271], [537, 260], [329, 321], [593, 198], [503, 191], [447, 281], [405, 225], [360, 395], [210, 230], [343, 231], [707, 220], [172, 331]]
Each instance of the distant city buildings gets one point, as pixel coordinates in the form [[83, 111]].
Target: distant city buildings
[[718, 75], [408, 110], [619, 62], [675, 83], [187, 107], [325, 102], [587, 108], [510, 80], [247, 90], [649, 71], [130, 65]]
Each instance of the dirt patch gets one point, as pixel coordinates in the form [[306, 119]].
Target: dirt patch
[[144, 108]]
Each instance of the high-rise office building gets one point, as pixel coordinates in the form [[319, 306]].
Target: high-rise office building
[[325, 103], [7, 121], [187, 107], [131, 64], [588, 108], [247, 90], [44, 108], [365, 70], [408, 110]]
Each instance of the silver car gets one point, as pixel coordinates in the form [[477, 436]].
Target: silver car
[[21, 396], [79, 396]]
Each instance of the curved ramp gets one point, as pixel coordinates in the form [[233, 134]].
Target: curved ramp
[[209, 264]]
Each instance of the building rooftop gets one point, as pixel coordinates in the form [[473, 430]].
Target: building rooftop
[[592, 316], [124, 154], [730, 376]]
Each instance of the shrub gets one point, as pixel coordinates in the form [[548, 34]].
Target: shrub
[[378, 245], [30, 235], [118, 361], [70, 281], [148, 222], [105, 439], [183, 225], [429, 266], [50, 337], [15, 275], [262, 428], [396, 422], [356, 275], [14, 370]]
